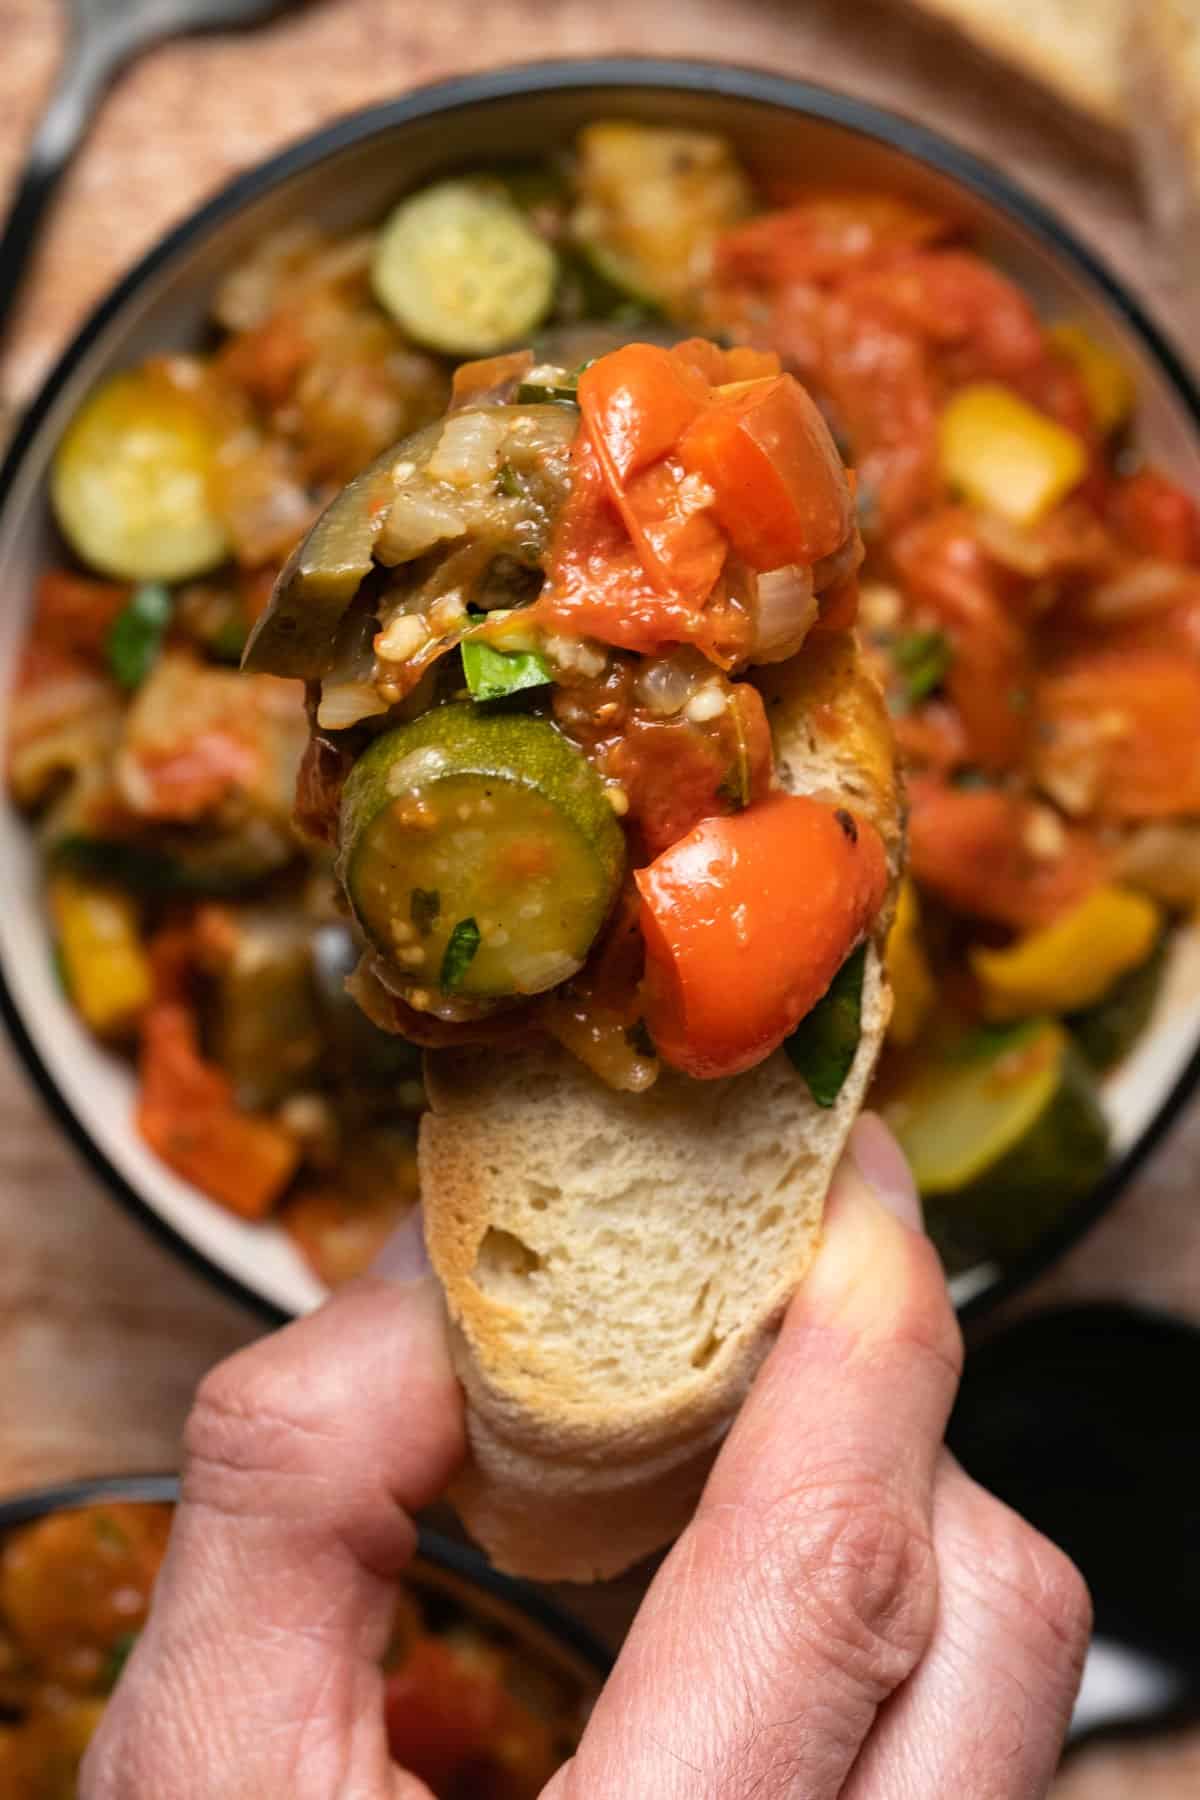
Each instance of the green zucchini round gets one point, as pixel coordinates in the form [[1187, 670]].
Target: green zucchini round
[[479, 852]]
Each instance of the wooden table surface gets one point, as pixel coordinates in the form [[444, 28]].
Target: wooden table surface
[[102, 1334]]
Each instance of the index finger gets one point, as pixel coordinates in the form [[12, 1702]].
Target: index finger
[[306, 1454], [804, 1591]]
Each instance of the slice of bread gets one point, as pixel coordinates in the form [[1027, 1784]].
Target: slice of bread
[[1162, 75], [616, 1265], [1071, 46]]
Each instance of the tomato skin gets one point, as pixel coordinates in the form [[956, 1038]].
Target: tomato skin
[[820, 236], [970, 848], [1143, 706], [1156, 517], [598, 586], [187, 1114], [746, 920], [881, 385], [441, 1712], [677, 774], [638, 402], [781, 492], [990, 680], [76, 613], [739, 363]]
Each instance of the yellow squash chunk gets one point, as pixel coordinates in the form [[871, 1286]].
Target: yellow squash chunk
[[908, 970], [1005, 456], [106, 969], [1106, 381], [1069, 965]]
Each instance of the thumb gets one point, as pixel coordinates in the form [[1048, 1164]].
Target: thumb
[[804, 1591], [258, 1672]]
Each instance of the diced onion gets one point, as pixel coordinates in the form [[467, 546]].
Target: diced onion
[[403, 637], [348, 702], [706, 703], [416, 521], [1014, 546], [468, 451], [1146, 588], [666, 684], [784, 610]]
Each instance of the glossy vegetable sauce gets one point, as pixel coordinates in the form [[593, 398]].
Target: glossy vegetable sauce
[[475, 1713], [1029, 595]]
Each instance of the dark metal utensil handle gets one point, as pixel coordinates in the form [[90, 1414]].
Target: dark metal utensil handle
[[88, 65]]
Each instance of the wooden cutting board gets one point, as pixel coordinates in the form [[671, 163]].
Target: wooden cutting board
[[103, 1335]]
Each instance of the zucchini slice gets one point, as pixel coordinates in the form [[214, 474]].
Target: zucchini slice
[[130, 481], [479, 852], [1003, 1137], [462, 270], [1107, 1031]]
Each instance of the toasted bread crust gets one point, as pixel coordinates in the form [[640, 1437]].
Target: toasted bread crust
[[616, 1266]]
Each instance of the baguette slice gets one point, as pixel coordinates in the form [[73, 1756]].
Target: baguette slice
[[616, 1265], [1072, 47], [1162, 77]]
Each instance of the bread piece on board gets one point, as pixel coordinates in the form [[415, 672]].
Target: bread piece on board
[[1162, 72], [1072, 47], [616, 1265]]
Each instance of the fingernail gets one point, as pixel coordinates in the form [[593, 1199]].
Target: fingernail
[[883, 1166], [404, 1256]]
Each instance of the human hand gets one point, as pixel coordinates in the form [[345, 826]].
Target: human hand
[[848, 1615]]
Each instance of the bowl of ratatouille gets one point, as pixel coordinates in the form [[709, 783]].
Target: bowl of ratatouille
[[174, 947], [485, 1686]]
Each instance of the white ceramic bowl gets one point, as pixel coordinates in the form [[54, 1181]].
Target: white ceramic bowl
[[346, 176]]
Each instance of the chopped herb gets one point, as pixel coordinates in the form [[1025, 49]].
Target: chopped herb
[[495, 674], [556, 391], [509, 483], [638, 1038], [823, 1046], [118, 1656], [424, 908], [137, 633], [460, 954], [736, 783], [922, 659]]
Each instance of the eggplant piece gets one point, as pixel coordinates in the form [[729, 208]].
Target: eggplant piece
[[296, 634]]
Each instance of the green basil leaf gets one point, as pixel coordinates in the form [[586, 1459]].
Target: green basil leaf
[[459, 955], [494, 674], [823, 1045], [137, 633]]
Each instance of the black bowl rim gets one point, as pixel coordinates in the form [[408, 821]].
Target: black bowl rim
[[468, 1565], [596, 75]]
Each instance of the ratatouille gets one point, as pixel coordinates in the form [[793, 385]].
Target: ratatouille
[[556, 591]]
